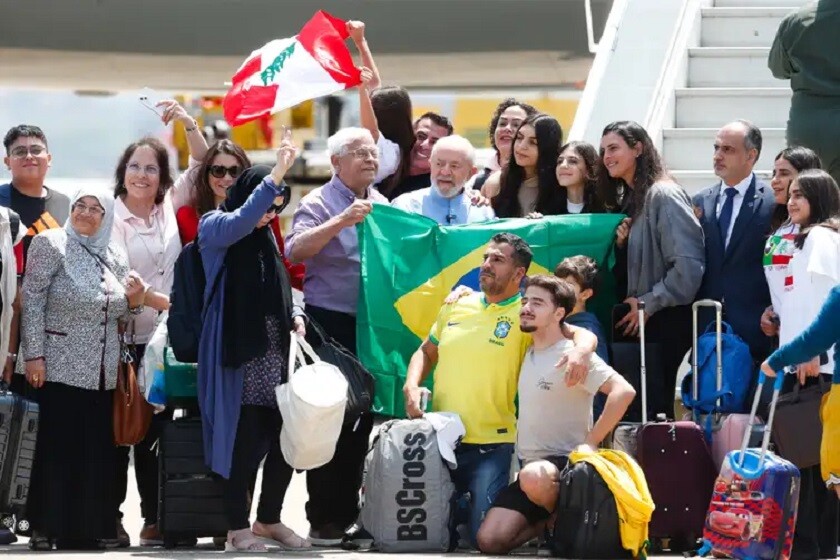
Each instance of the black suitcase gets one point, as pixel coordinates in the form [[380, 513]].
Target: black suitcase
[[191, 497], [18, 436]]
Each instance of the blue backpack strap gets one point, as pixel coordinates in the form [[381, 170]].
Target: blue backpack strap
[[6, 195]]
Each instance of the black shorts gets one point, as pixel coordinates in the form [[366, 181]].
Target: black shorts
[[515, 499]]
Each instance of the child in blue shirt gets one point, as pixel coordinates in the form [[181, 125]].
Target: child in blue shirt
[[583, 274]]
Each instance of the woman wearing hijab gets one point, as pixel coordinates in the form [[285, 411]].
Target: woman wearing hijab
[[76, 289], [243, 351]]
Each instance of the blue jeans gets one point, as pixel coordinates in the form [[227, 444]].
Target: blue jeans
[[483, 471]]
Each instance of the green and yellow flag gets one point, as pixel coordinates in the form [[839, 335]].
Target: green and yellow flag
[[409, 264]]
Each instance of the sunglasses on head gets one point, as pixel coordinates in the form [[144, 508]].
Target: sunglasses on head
[[219, 171], [276, 208]]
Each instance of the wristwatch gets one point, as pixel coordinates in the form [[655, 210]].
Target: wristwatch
[[137, 310]]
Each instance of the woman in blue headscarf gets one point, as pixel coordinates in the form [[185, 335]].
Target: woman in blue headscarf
[[76, 289]]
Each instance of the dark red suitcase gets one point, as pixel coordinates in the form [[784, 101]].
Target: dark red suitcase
[[678, 467]]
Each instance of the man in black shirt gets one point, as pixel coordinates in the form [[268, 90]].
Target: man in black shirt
[[28, 160], [428, 129]]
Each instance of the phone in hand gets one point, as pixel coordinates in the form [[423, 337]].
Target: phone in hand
[[149, 98]]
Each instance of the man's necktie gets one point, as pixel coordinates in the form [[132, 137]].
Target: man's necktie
[[725, 217]]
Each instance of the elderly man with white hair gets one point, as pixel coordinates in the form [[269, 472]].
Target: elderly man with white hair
[[447, 201], [324, 238]]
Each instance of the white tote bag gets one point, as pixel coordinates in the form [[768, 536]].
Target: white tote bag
[[312, 404]]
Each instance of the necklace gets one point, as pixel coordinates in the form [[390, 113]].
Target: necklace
[[157, 257]]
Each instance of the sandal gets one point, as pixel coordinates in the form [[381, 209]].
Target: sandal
[[280, 536], [243, 540]]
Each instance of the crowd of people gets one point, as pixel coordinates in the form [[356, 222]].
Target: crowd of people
[[98, 268]]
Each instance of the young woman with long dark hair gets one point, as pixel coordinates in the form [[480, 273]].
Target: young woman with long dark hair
[[528, 183], [577, 168], [779, 249], [662, 242], [814, 270]]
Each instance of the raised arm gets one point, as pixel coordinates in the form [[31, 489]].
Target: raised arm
[[366, 115], [223, 229], [183, 190], [356, 29]]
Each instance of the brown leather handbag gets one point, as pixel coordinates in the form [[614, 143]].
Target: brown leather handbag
[[797, 428], [132, 414]]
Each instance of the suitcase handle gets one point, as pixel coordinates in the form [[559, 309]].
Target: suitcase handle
[[738, 462], [695, 381], [642, 360]]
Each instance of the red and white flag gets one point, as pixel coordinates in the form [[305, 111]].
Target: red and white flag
[[285, 72]]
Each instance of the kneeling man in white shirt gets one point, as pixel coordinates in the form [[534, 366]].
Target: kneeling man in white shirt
[[555, 418]]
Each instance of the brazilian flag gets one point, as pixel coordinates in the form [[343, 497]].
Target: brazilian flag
[[409, 264]]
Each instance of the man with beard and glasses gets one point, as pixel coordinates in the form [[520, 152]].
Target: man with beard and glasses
[[555, 417], [476, 349]]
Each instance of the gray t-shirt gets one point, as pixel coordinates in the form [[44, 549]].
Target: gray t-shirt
[[554, 419]]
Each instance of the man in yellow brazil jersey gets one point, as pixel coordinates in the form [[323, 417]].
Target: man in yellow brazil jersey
[[477, 347]]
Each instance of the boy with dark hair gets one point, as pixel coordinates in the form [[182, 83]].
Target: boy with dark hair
[[583, 274]]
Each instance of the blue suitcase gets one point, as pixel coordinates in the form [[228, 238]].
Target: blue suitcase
[[752, 514]]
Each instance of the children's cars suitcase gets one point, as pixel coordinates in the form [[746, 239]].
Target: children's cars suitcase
[[191, 497], [678, 468], [752, 514], [18, 436]]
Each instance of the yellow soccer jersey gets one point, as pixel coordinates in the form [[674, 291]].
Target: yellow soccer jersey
[[480, 352]]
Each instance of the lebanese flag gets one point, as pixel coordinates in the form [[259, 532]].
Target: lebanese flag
[[285, 72]]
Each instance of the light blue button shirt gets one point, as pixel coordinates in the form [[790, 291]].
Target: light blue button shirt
[[453, 211]]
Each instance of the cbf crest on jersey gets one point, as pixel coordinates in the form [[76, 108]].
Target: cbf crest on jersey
[[503, 327]]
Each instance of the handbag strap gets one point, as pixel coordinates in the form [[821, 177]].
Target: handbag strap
[[295, 342]]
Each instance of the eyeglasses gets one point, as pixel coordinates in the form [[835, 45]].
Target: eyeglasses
[[81, 208], [364, 153], [148, 170], [219, 171], [22, 151]]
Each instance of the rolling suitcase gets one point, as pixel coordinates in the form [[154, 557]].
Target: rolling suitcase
[[18, 436], [625, 358], [752, 514], [191, 497], [723, 432], [678, 468]]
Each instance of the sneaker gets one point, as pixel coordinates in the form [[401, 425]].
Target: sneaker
[[150, 536], [357, 538], [7, 537], [328, 535]]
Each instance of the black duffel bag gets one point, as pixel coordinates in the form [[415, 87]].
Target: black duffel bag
[[360, 382]]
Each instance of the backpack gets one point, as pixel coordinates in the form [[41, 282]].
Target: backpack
[[408, 493], [186, 303], [587, 523], [738, 369]]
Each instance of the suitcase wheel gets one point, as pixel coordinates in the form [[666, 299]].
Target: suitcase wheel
[[7, 521], [23, 528]]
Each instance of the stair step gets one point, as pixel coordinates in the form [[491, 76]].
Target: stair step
[[730, 67], [695, 181], [790, 4], [713, 107], [740, 27], [692, 148]]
